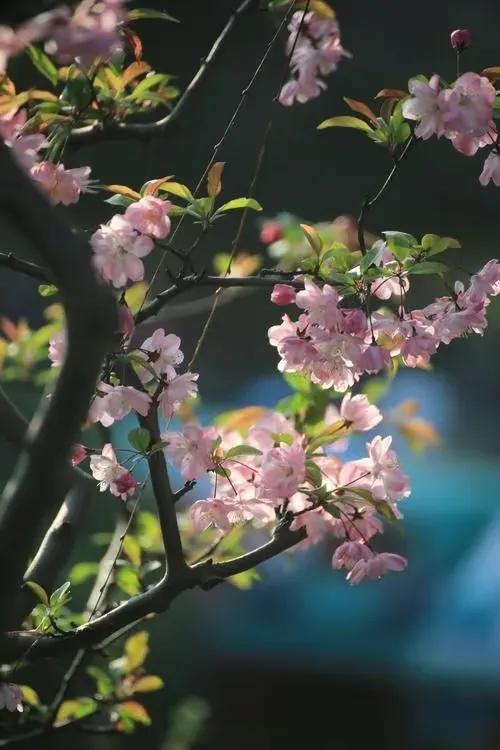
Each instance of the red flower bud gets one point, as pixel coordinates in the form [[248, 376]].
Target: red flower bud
[[460, 39], [283, 294], [272, 231]]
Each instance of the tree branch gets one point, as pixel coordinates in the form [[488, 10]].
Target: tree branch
[[189, 282], [115, 130], [30, 646], [56, 425], [13, 425], [9, 260], [165, 499]]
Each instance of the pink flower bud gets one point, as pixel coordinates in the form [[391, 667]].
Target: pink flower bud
[[78, 454], [460, 39], [283, 294], [125, 485], [272, 231], [125, 320]]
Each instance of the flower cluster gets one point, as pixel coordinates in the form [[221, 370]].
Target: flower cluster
[[279, 470], [91, 31], [315, 48], [111, 475], [462, 113], [335, 345], [120, 245]]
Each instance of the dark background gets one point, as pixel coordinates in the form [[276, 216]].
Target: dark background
[[303, 658]]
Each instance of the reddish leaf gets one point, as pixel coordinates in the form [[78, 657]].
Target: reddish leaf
[[362, 108]]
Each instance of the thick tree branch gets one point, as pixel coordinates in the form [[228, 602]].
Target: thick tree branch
[[30, 646], [91, 320], [225, 282], [9, 260], [165, 500], [115, 130]]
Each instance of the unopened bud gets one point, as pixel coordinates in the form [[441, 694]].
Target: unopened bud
[[460, 39]]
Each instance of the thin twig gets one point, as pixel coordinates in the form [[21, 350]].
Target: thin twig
[[99, 129]]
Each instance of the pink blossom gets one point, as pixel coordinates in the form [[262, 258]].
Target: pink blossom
[[25, 148], [359, 413], [417, 350], [11, 697], [283, 294], [126, 320], [60, 184], [57, 348], [150, 216], [316, 51], [387, 480], [110, 475], [491, 169], [468, 105], [321, 304], [177, 390], [113, 403], [118, 250], [487, 280], [162, 353], [124, 485], [191, 450], [375, 358], [468, 145], [223, 513], [283, 470], [375, 567], [78, 454], [390, 286], [425, 106], [350, 553], [91, 32], [354, 321], [272, 423]]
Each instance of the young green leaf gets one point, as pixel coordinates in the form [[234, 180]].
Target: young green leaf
[[38, 591], [137, 14], [42, 63], [240, 203], [345, 121], [428, 267], [243, 450], [140, 439]]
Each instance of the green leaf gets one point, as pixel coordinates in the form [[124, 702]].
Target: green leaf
[[148, 684], [81, 572], [313, 238], [38, 591], [282, 437], [127, 579], [297, 382], [245, 580], [434, 244], [78, 92], [132, 549], [136, 650], [240, 203], [401, 238], [30, 696], [74, 709], [103, 681], [47, 290], [243, 450], [140, 439], [428, 267], [345, 121], [61, 595], [119, 200], [368, 258], [178, 189], [137, 14], [313, 474], [42, 63]]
